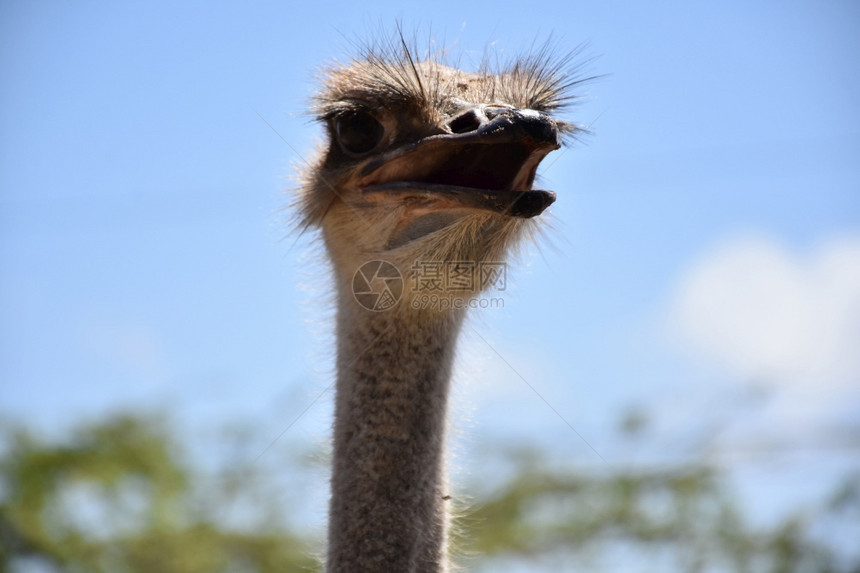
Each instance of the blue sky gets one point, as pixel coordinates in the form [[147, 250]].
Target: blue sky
[[704, 247]]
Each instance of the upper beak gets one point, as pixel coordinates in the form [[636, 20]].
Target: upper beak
[[487, 162]]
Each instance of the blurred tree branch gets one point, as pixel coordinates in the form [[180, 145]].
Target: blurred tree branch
[[118, 495], [115, 497]]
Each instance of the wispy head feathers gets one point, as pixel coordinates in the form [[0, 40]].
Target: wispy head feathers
[[393, 72]]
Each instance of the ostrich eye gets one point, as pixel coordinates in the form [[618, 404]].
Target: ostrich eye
[[358, 132]]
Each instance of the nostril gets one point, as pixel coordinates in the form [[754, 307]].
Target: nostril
[[465, 122]]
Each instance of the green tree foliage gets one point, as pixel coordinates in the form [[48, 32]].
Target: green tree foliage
[[119, 496], [115, 497], [671, 519]]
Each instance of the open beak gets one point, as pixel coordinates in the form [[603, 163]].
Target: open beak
[[489, 167]]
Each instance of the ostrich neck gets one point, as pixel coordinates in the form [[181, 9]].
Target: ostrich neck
[[389, 498]]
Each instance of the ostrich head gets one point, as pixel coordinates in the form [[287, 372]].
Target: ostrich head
[[424, 162]]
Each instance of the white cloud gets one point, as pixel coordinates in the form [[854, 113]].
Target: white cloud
[[787, 320]]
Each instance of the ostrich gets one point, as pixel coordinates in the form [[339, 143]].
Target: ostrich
[[424, 165]]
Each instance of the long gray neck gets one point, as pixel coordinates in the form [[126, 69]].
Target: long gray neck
[[389, 504]]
